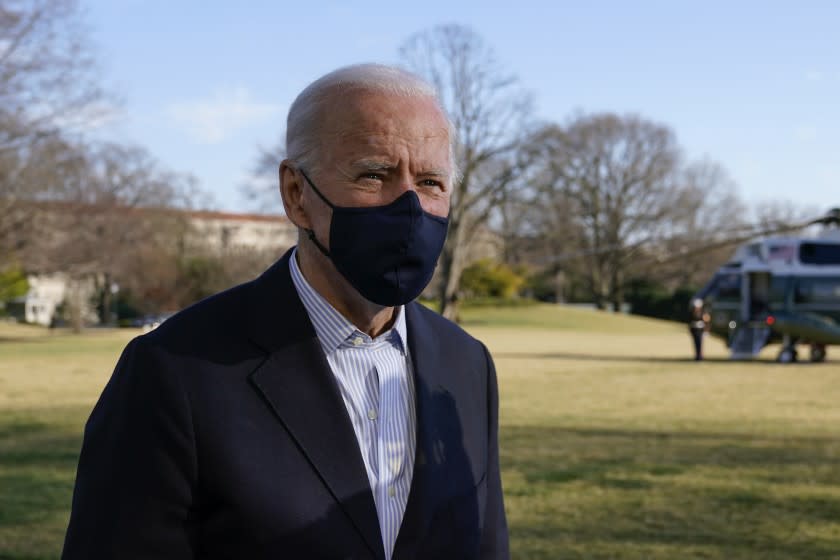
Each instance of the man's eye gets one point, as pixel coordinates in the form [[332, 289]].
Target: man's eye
[[373, 176], [432, 183]]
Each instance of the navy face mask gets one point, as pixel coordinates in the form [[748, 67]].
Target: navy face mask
[[388, 253]]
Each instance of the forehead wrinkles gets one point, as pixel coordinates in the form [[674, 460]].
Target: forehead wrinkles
[[390, 145], [388, 126]]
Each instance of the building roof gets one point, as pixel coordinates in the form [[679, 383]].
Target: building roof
[[213, 215]]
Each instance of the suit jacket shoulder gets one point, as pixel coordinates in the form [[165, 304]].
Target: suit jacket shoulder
[[263, 314], [448, 337]]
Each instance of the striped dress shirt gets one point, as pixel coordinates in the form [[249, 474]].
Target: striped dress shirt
[[375, 379]]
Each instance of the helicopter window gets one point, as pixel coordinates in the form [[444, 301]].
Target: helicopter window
[[818, 290], [754, 250], [728, 287], [819, 253]]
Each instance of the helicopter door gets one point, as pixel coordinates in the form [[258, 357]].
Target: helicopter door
[[758, 295]]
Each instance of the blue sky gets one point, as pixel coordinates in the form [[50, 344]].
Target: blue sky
[[753, 85]]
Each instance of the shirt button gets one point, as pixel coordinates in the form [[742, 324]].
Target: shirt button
[[391, 491], [357, 341], [372, 414]]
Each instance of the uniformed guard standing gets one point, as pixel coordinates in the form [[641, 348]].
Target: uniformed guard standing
[[698, 325]]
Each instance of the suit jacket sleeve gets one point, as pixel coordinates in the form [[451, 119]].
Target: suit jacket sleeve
[[137, 469], [494, 542]]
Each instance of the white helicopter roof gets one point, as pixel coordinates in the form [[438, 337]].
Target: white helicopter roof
[[817, 256], [830, 234]]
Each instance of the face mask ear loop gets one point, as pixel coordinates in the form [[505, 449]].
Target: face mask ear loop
[[314, 188], [310, 233], [313, 239]]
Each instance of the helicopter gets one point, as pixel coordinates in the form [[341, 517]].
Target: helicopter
[[779, 289]]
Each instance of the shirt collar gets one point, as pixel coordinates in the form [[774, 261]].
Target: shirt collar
[[331, 327]]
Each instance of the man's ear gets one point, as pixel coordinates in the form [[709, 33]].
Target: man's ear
[[291, 190]]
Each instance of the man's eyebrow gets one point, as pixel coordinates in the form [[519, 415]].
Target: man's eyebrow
[[373, 164], [385, 165]]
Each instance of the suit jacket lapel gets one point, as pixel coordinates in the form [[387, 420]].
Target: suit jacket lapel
[[296, 380]]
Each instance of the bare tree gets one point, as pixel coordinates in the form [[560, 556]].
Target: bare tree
[[111, 206], [47, 85], [47, 71], [34, 178], [784, 215], [261, 188], [542, 226], [706, 222], [615, 204], [616, 177], [490, 112]]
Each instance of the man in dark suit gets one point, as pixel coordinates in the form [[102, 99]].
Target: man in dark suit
[[317, 411]]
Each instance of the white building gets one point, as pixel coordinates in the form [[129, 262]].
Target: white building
[[46, 292], [223, 231], [210, 232]]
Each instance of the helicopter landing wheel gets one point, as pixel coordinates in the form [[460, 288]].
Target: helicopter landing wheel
[[787, 356], [818, 353]]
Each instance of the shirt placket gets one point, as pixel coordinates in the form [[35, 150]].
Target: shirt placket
[[372, 418], [391, 435]]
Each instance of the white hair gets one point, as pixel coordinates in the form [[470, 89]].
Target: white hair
[[303, 121]]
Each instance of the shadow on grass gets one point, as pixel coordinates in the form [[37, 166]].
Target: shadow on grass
[[645, 494], [645, 359], [17, 339], [38, 457], [601, 357], [572, 492]]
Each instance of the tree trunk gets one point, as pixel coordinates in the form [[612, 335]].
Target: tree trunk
[[105, 311], [451, 267], [450, 272], [600, 287], [560, 287], [74, 305], [617, 288]]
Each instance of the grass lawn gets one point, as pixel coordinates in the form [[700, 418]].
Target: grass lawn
[[614, 444]]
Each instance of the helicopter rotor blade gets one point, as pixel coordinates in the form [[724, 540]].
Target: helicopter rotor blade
[[729, 238]]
